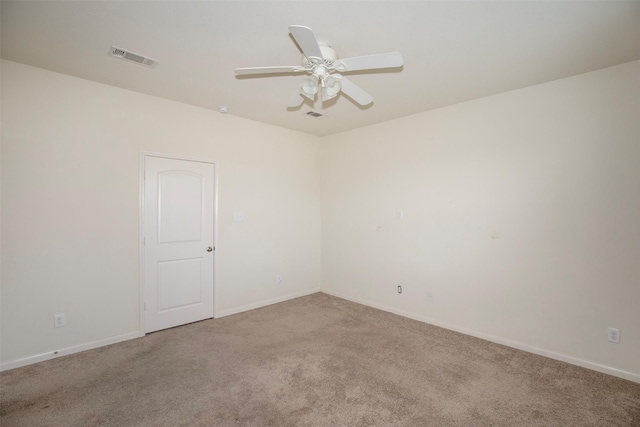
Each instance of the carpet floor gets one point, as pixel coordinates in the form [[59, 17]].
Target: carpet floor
[[313, 361]]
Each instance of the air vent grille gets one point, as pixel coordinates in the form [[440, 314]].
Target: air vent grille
[[316, 115], [120, 53]]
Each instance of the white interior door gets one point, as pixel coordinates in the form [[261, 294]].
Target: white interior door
[[178, 242]]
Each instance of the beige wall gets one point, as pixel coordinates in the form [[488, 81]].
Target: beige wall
[[520, 213], [70, 201], [521, 216]]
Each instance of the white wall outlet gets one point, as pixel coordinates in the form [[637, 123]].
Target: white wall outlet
[[59, 320], [613, 335], [279, 279], [400, 215], [429, 296], [238, 216]]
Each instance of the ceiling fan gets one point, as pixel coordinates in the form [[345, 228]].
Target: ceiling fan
[[322, 65]]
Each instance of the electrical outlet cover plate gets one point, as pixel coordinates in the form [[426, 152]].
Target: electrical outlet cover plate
[[613, 335], [59, 321]]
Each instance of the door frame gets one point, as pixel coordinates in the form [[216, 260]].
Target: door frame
[[141, 227]]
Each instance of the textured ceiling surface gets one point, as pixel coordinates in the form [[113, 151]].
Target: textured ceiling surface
[[453, 51]]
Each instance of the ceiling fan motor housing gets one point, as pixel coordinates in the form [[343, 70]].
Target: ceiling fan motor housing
[[329, 55]]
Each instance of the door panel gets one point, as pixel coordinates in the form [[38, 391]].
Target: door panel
[[179, 283], [178, 230], [180, 195]]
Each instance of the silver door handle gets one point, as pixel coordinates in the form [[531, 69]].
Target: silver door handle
[[209, 249]]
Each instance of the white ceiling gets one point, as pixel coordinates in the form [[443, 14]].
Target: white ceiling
[[453, 50]]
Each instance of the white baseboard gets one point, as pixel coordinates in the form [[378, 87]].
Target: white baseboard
[[113, 340], [69, 350], [509, 343], [498, 340], [235, 310]]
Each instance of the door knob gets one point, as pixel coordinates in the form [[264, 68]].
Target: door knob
[[209, 249]]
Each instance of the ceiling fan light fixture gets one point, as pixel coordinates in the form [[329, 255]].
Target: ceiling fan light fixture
[[310, 86], [331, 87]]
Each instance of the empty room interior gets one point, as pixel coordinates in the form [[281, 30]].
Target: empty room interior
[[410, 188]]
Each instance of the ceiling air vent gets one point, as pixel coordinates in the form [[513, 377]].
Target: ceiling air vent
[[118, 52], [316, 115]]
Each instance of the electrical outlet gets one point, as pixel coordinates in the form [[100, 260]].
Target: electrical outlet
[[429, 296], [279, 279], [613, 335], [59, 320]]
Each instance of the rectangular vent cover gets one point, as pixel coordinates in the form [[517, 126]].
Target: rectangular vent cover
[[118, 52], [316, 115]]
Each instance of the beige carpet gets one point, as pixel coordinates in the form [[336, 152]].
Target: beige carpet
[[313, 361]]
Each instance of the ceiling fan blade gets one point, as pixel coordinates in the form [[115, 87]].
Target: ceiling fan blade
[[296, 98], [369, 62], [355, 92], [307, 41], [269, 70]]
